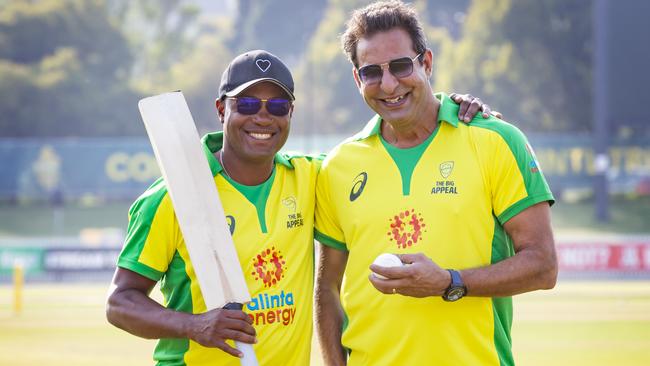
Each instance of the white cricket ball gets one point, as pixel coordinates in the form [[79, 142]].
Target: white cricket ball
[[386, 260]]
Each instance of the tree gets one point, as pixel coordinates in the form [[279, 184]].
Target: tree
[[177, 47], [445, 14], [64, 70], [283, 27], [199, 74], [161, 33], [530, 59], [324, 79]]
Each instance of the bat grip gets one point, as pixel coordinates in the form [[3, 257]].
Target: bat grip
[[248, 358]]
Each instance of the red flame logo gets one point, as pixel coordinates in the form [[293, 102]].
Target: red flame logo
[[406, 228], [269, 266]]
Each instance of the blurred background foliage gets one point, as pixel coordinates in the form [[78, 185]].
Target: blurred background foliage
[[77, 67], [74, 70], [538, 52]]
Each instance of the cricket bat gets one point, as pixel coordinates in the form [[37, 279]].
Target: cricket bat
[[184, 166]]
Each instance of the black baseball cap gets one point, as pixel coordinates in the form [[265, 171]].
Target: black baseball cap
[[251, 68]]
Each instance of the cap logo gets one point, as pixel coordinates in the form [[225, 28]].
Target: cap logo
[[263, 65]]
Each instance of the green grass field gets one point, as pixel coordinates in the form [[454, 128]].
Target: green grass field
[[627, 215], [37, 220], [577, 323]]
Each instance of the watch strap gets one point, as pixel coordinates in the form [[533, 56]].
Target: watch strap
[[456, 280], [456, 289]]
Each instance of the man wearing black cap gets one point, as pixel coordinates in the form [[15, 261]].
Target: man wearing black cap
[[269, 201]]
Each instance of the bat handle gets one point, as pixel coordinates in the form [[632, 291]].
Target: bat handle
[[248, 358]]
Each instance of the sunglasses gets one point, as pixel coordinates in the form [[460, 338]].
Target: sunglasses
[[250, 105], [400, 68]]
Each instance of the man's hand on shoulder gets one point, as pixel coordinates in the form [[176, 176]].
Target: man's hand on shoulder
[[419, 277], [470, 106], [213, 328]]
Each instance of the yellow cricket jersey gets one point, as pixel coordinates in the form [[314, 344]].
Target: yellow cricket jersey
[[447, 198], [272, 227]]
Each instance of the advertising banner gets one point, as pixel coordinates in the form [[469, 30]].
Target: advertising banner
[[30, 258], [122, 168], [80, 259], [619, 257]]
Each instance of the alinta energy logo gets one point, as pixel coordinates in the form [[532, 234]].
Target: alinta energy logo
[[269, 266], [406, 228], [272, 307]]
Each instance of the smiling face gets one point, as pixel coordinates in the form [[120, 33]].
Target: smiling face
[[396, 100], [257, 137]]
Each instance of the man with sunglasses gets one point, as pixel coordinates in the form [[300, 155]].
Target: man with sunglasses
[[464, 206], [269, 201]]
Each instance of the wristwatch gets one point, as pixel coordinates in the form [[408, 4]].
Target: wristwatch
[[456, 289]]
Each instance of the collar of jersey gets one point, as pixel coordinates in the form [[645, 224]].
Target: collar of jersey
[[213, 142], [447, 113]]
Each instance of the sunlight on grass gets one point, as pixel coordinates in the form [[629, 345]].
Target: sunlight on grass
[[578, 323]]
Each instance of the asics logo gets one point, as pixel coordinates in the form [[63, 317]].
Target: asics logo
[[358, 184], [230, 220]]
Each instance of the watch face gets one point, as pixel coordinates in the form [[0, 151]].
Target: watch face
[[455, 293]]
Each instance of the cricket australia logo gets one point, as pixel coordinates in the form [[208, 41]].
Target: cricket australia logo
[[406, 228], [445, 186], [290, 203], [294, 219], [358, 184], [269, 266], [446, 168]]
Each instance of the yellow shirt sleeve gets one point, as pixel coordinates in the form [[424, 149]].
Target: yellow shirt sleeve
[[327, 229]]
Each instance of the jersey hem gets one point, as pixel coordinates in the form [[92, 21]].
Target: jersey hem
[[326, 240], [524, 204]]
